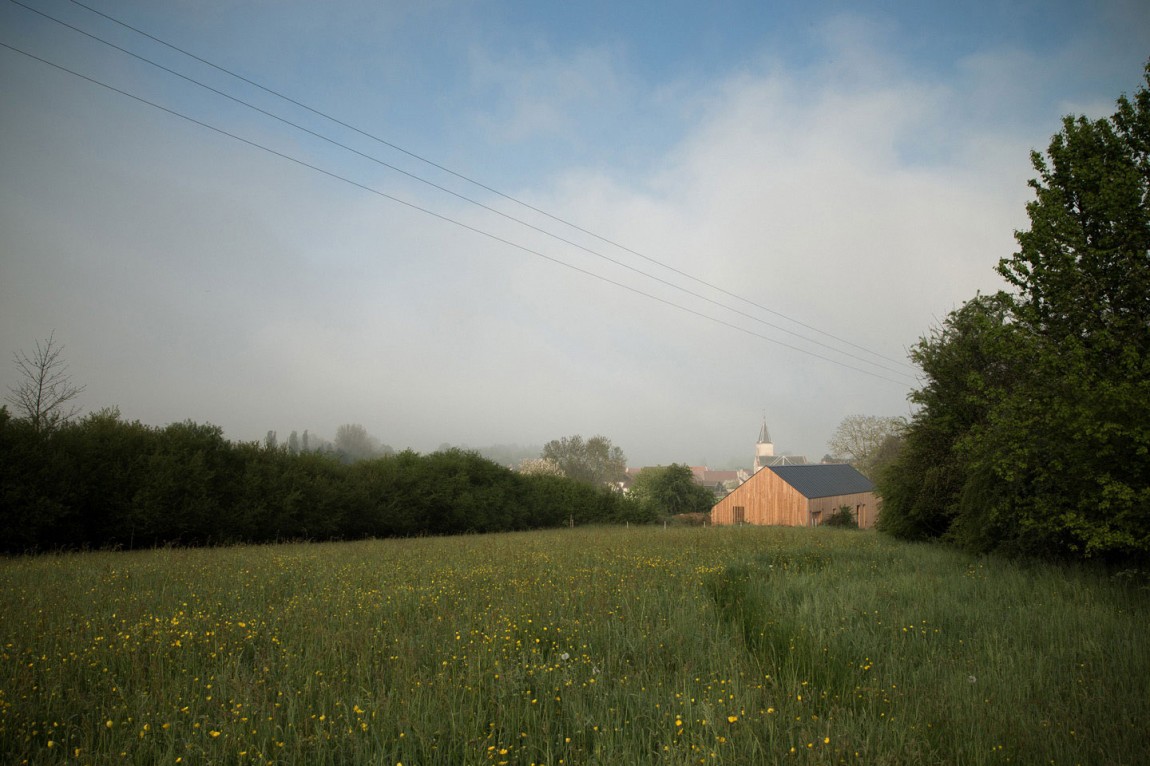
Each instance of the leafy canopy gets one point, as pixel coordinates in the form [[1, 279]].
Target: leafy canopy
[[1033, 433]]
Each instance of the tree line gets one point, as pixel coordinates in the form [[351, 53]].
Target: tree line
[[101, 481], [1032, 434]]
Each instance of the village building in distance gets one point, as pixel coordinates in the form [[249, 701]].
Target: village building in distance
[[789, 491], [783, 490], [722, 482]]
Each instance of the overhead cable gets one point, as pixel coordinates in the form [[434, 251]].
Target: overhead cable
[[440, 216], [517, 201], [462, 197]]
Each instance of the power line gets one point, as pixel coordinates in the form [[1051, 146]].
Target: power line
[[439, 216], [453, 193], [520, 202]]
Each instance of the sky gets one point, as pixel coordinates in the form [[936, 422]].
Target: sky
[[478, 223]]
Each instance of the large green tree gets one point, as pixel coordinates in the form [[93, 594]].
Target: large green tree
[[1073, 442], [1034, 429], [670, 491]]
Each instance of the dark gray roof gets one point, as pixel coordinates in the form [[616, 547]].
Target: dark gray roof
[[821, 480]]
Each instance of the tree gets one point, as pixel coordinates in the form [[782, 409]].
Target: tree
[[1065, 463], [540, 466], [352, 443], [1034, 432], [45, 395], [862, 440], [967, 363], [670, 491], [843, 517], [1083, 271], [594, 461]]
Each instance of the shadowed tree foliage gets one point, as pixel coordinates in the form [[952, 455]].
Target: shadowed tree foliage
[[670, 491], [1033, 435], [967, 365], [101, 481]]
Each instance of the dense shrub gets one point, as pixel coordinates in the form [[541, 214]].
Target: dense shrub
[[104, 482], [843, 517]]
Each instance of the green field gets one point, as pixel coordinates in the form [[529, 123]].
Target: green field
[[610, 645]]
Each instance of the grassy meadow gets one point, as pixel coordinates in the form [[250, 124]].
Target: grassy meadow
[[574, 646]]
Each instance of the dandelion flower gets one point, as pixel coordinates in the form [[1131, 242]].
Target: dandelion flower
[[732, 718]]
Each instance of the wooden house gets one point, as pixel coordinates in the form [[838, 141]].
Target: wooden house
[[798, 496]]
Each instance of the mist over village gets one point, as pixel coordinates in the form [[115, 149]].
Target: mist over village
[[543, 384]]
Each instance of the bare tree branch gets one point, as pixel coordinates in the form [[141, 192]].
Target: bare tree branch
[[44, 396]]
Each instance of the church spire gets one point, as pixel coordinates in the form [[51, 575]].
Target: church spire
[[764, 449]]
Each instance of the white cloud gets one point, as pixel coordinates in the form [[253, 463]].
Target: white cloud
[[539, 93], [813, 196], [858, 194]]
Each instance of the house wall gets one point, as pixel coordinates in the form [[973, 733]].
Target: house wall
[[865, 505], [765, 499]]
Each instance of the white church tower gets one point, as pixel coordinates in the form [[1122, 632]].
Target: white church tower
[[764, 449]]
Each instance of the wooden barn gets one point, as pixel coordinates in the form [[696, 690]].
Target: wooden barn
[[798, 496]]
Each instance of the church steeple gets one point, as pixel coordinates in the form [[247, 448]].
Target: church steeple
[[764, 449]]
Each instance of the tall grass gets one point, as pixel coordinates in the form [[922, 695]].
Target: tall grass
[[580, 646]]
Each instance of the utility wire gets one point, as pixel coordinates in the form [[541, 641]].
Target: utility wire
[[434, 185], [440, 216], [510, 198]]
